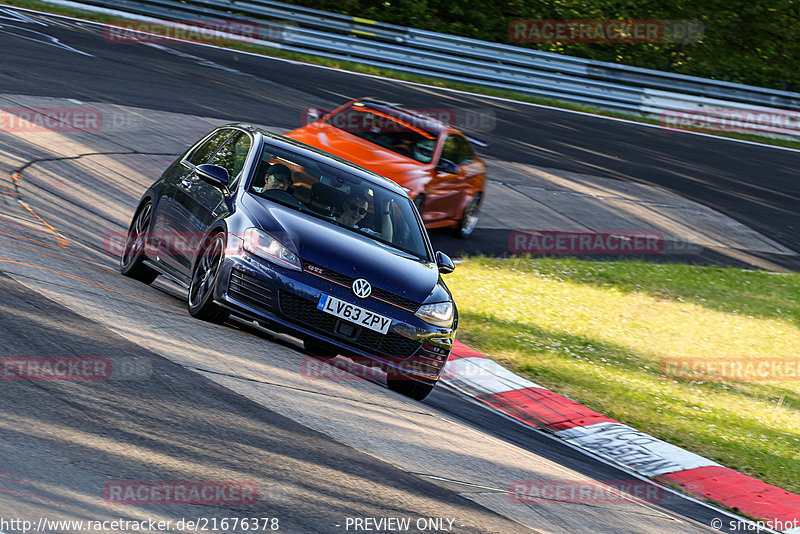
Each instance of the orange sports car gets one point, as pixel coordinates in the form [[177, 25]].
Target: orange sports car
[[434, 162]]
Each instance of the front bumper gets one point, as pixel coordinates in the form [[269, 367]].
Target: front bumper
[[287, 301]]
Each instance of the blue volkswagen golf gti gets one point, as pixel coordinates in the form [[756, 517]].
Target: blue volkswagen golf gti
[[270, 229]]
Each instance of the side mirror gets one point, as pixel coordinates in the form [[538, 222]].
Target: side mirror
[[445, 165], [444, 263], [213, 174]]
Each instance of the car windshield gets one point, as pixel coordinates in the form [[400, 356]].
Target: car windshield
[[339, 198], [410, 135]]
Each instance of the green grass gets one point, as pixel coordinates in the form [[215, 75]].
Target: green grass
[[597, 333], [388, 73]]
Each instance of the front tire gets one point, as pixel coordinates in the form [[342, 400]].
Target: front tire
[[411, 388], [204, 280], [131, 261], [469, 220]]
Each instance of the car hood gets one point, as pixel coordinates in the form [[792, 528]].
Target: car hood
[[335, 248], [359, 151]]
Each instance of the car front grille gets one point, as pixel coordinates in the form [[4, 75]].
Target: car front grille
[[347, 281], [251, 291], [306, 313]]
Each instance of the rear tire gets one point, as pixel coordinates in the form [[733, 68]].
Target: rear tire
[[411, 388], [204, 280], [469, 220], [131, 261]]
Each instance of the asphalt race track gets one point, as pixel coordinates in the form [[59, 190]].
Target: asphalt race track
[[754, 185], [202, 403], [176, 424]]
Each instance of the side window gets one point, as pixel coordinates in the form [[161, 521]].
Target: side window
[[457, 150], [205, 150], [233, 154]]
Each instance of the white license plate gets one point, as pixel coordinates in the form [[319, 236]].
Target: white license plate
[[354, 314]]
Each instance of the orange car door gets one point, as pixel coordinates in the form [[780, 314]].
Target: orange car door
[[447, 191]]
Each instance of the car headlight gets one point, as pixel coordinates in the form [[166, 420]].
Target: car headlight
[[438, 313], [267, 247]]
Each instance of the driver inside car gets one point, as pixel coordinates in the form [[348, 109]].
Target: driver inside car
[[278, 177], [355, 209]]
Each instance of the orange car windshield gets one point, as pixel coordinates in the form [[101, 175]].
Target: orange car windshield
[[405, 136]]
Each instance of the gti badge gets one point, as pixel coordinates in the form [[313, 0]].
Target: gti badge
[[361, 288]]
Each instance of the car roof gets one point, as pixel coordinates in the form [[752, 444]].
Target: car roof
[[325, 157]]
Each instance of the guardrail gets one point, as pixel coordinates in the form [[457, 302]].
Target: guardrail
[[542, 74]]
